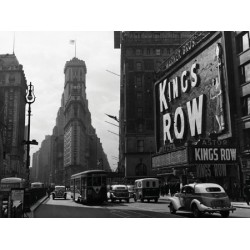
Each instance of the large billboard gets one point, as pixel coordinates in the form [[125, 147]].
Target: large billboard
[[191, 98]]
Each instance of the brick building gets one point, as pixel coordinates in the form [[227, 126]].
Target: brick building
[[13, 86], [142, 52]]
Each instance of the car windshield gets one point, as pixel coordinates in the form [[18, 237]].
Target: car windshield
[[59, 188], [213, 189]]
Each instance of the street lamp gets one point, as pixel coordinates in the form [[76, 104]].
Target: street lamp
[[30, 98]]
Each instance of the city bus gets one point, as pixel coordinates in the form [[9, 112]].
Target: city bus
[[6, 184], [89, 186], [34, 185]]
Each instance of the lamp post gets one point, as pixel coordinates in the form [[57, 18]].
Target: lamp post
[[30, 98]]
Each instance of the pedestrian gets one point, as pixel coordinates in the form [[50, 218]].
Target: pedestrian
[[48, 192], [247, 193], [236, 191], [166, 189]]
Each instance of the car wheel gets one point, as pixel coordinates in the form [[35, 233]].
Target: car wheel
[[196, 212], [225, 214], [142, 200], [171, 208]]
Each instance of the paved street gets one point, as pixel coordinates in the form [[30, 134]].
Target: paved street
[[61, 208]]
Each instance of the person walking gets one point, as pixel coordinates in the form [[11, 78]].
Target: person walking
[[247, 193]]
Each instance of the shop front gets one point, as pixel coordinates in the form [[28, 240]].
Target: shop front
[[195, 136]]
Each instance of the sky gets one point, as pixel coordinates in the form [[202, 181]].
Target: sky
[[43, 56]]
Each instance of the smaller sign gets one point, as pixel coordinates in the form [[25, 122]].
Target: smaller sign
[[213, 155]]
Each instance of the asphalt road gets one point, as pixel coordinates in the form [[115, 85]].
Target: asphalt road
[[60, 208]]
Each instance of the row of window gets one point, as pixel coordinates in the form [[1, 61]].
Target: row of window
[[147, 65], [149, 52]]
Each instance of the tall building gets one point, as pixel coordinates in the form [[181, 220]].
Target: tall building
[[242, 87], [77, 118], [2, 129], [196, 111], [13, 85], [141, 54], [81, 143]]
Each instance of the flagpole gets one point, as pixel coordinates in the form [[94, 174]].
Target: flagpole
[[75, 48]]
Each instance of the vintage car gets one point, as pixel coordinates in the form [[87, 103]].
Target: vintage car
[[118, 192], [59, 192], [200, 198]]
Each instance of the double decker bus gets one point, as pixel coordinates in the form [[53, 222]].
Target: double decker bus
[[89, 186]]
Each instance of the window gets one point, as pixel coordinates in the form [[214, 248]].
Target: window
[[213, 189], [157, 52], [245, 104], [148, 51], [138, 52], [156, 36], [139, 66], [139, 112], [138, 80], [245, 73], [153, 184], [139, 97], [242, 42], [140, 127], [140, 146], [147, 184]]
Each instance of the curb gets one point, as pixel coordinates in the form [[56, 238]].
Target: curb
[[36, 205]]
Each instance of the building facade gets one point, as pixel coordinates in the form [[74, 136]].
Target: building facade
[[13, 85], [196, 125], [242, 87], [141, 54], [82, 147]]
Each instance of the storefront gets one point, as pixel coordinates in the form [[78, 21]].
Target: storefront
[[195, 135]]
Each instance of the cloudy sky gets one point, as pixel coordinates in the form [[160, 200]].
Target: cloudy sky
[[43, 56]]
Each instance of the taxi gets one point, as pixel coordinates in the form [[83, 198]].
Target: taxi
[[200, 198]]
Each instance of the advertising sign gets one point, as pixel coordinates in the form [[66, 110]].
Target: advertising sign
[[191, 101]]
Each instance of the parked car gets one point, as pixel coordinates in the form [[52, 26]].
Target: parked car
[[131, 190], [200, 198], [59, 192], [118, 192], [147, 189]]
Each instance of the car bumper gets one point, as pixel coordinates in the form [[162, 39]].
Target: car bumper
[[219, 209]]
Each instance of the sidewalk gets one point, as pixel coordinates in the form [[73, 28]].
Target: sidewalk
[[239, 204], [34, 207]]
